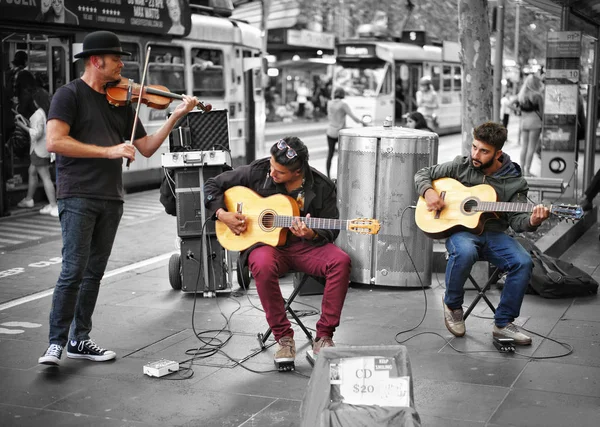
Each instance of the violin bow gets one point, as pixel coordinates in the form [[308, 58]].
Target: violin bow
[[137, 109]]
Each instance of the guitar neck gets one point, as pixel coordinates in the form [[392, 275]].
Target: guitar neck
[[503, 207], [323, 223]]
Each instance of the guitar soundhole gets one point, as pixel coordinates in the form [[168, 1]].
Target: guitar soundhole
[[469, 206], [267, 221]]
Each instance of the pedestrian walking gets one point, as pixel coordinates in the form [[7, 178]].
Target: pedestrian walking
[[302, 94], [87, 135], [38, 154], [506, 108], [531, 104], [337, 110], [428, 101]]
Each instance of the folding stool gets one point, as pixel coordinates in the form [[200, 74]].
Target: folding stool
[[481, 291], [262, 337]]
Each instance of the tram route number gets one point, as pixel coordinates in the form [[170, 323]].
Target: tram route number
[[39, 264]]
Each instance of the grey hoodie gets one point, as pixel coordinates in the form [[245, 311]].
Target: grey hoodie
[[508, 182]]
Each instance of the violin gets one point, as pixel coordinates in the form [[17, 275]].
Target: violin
[[124, 91]]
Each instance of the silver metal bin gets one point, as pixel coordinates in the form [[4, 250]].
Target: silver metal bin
[[376, 168]]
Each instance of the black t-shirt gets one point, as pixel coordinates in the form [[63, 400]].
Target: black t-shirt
[[93, 121]]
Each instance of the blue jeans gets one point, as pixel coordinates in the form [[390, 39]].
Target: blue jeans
[[89, 227], [465, 248]]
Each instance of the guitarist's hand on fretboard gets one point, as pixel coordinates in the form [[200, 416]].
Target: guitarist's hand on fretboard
[[300, 229], [540, 214], [235, 221]]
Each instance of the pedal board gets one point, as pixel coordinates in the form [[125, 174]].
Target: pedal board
[[161, 368], [504, 345]]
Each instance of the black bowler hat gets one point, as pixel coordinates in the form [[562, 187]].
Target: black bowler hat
[[101, 43]]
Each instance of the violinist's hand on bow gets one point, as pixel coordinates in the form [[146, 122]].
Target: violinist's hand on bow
[[188, 104], [300, 229], [121, 151]]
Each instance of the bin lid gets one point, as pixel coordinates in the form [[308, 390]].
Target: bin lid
[[386, 132]]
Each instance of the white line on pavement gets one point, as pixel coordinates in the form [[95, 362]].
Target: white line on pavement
[[130, 267]]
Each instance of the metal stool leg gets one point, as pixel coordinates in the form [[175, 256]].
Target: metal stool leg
[[262, 337], [481, 292]]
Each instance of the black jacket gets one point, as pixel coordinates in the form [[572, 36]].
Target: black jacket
[[320, 196]]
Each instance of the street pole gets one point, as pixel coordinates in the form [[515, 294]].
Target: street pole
[[498, 62], [591, 121], [517, 30]]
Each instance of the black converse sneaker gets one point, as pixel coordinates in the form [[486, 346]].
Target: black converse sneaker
[[88, 350], [52, 355]]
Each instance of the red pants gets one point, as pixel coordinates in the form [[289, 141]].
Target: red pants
[[267, 264]]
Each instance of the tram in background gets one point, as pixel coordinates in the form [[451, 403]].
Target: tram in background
[[217, 59], [381, 78]]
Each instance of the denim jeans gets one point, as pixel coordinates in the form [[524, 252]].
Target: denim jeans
[[465, 248], [89, 227]]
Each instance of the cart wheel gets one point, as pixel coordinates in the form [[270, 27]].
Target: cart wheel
[[175, 272], [243, 276]]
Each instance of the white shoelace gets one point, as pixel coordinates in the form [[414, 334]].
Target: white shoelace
[[512, 328], [54, 350], [92, 345]]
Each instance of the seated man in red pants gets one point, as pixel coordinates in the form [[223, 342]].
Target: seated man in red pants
[[306, 249]]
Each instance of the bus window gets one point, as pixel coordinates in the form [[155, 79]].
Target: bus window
[[457, 78], [131, 64], [207, 69], [361, 79], [166, 68], [447, 78]]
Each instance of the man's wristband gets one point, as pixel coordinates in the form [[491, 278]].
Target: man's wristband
[[316, 236]]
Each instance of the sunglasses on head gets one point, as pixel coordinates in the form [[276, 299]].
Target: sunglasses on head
[[282, 145]]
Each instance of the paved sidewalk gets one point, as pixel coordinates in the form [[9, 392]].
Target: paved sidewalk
[[143, 320]]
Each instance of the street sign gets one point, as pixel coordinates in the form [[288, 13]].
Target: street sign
[[142, 16]]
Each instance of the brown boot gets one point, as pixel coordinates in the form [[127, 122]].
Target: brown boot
[[320, 343], [285, 354]]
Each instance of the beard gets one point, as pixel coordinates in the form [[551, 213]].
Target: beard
[[482, 166]]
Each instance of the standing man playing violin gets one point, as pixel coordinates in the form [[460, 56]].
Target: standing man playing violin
[[306, 250], [88, 134], [487, 164]]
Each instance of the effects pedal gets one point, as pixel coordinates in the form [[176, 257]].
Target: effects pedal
[[504, 345], [160, 368], [286, 366]]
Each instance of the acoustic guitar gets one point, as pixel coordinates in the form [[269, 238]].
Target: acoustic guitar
[[268, 218], [467, 209]]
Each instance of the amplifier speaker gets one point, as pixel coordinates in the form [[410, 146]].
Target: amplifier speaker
[[189, 199], [314, 285], [201, 131], [193, 277]]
